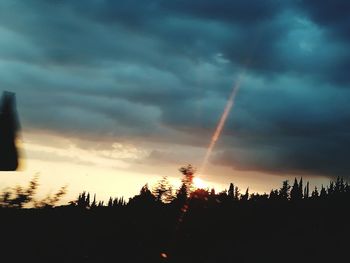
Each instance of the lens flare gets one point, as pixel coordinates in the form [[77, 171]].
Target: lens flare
[[221, 124]]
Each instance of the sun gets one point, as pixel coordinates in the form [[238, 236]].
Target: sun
[[199, 183]]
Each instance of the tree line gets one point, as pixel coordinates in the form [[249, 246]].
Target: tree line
[[163, 193]]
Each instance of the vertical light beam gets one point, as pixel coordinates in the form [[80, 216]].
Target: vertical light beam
[[221, 124]]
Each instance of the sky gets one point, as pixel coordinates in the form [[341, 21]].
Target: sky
[[115, 94]]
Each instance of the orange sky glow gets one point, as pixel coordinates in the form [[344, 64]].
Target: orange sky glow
[[120, 171]]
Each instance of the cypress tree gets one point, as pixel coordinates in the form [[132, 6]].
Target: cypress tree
[[93, 204], [294, 193], [300, 192], [231, 191], [110, 202]]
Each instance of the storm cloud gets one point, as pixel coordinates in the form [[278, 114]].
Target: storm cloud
[[162, 71]]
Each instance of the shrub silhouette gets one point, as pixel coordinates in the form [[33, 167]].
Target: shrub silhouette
[[19, 197]]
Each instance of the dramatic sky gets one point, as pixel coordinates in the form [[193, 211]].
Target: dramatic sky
[[114, 94]]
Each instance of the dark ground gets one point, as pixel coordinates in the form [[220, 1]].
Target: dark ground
[[306, 231]]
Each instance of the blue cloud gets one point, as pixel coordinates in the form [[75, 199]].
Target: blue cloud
[[163, 70]]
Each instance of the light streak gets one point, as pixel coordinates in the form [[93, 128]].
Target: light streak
[[221, 124]]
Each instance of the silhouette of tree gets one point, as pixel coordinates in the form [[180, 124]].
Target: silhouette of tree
[[51, 201], [93, 204], [284, 191], [163, 191], [323, 193], [188, 171], [306, 191], [294, 193], [118, 202], [237, 194], [314, 194], [300, 192], [88, 200], [274, 195], [245, 197], [83, 200], [347, 188], [145, 198], [182, 193], [110, 202], [231, 191], [151, 225], [255, 197], [201, 195], [339, 186], [331, 189], [19, 197], [222, 196]]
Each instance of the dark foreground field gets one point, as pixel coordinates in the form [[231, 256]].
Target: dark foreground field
[[263, 231]]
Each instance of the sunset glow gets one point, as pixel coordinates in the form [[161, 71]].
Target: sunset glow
[[199, 183]]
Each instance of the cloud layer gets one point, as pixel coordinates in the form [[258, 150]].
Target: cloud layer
[[161, 71]]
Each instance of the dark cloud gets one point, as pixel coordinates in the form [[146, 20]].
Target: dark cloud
[[333, 19], [325, 155], [162, 70], [229, 11], [333, 16]]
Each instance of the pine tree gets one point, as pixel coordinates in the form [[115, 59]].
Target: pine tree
[[163, 190], [284, 191], [231, 191], [237, 193], [182, 193]]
